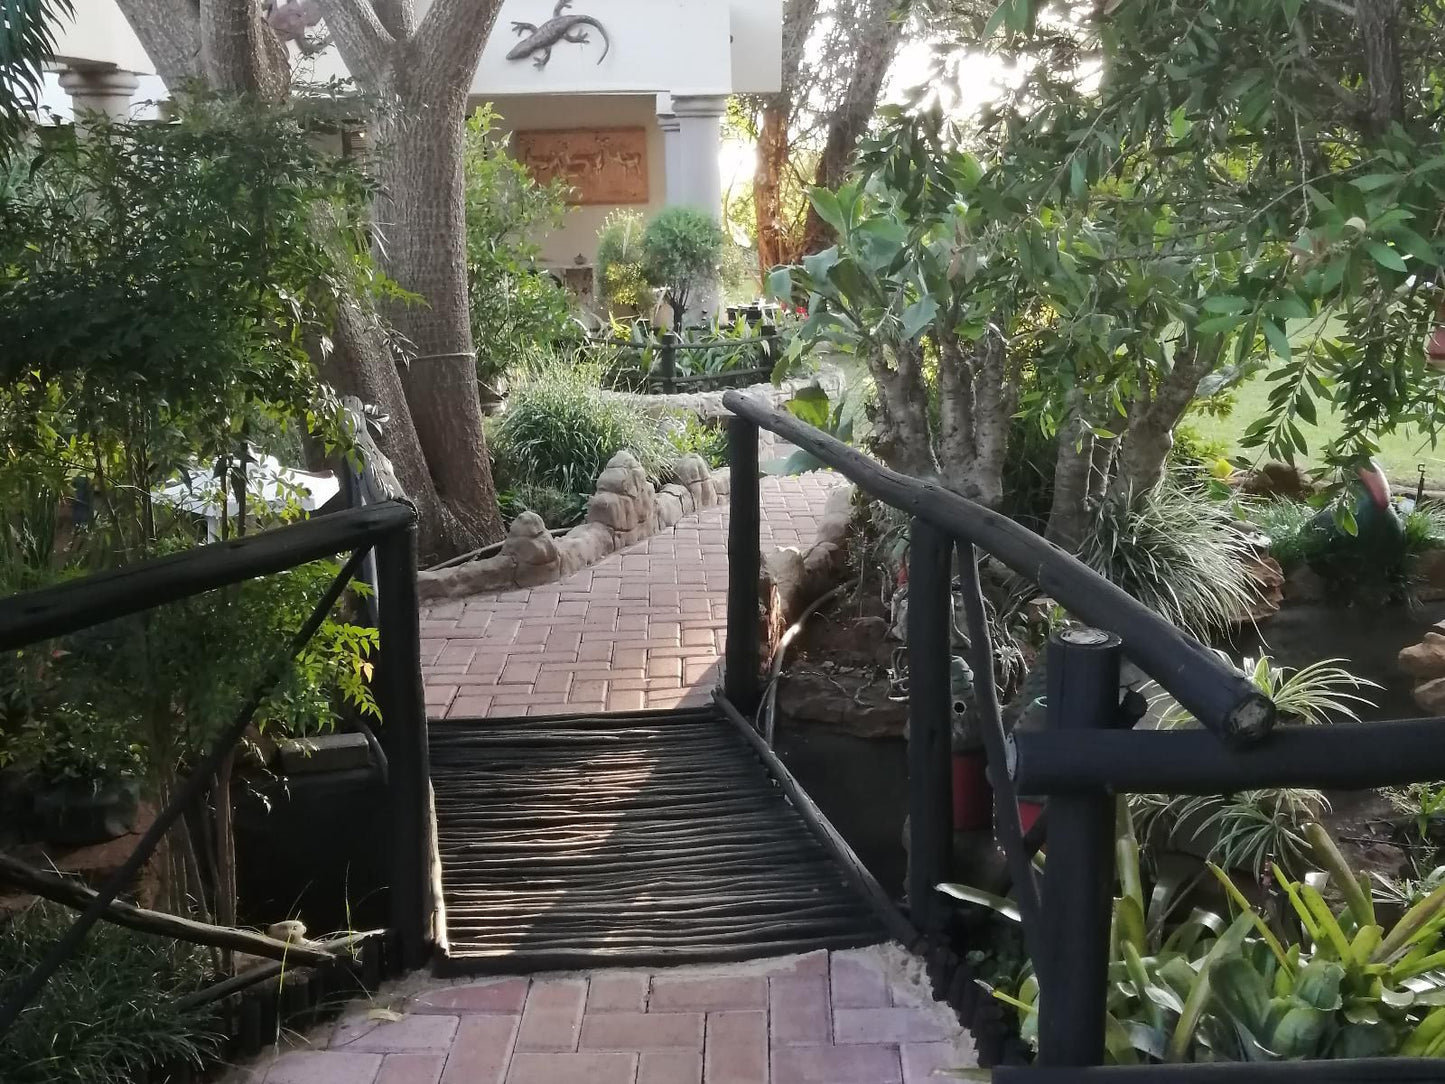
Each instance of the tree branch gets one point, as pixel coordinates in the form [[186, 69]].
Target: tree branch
[[451, 38], [170, 33], [362, 41], [71, 893]]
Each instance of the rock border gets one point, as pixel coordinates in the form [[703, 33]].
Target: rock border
[[625, 509]]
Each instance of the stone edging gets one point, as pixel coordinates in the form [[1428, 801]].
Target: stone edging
[[625, 509]]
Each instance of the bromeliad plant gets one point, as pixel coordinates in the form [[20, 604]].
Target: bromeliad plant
[[1216, 988]]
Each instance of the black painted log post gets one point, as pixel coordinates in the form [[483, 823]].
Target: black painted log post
[[1083, 694], [930, 712], [402, 701], [669, 361], [742, 662]]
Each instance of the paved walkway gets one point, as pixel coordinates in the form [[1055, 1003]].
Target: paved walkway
[[644, 628], [856, 1017]]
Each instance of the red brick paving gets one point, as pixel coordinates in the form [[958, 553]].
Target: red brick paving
[[771, 1022], [644, 628]]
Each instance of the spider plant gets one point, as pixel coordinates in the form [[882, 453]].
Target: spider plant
[[1254, 827]]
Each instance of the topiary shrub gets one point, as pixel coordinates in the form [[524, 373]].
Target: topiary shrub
[[109, 1015], [682, 251]]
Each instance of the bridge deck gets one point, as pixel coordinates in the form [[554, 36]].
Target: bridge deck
[[641, 839]]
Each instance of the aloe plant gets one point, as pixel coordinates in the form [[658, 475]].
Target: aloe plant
[[1209, 987]]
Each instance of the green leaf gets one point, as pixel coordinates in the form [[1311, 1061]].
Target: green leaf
[[817, 265], [810, 405], [780, 284], [1218, 325], [998, 904], [1386, 256], [1277, 339], [919, 315], [1371, 181], [1226, 303], [828, 208]]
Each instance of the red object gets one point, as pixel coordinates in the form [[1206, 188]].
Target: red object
[[972, 793], [1029, 813]]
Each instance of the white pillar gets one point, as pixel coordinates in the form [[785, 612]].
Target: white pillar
[[694, 178], [671, 150], [107, 92], [699, 140]]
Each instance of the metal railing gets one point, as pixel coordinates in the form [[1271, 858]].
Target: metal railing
[[389, 532], [1080, 759]]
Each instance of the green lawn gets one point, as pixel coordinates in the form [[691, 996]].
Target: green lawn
[[1400, 452]]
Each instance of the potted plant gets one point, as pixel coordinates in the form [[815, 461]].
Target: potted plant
[[972, 792]]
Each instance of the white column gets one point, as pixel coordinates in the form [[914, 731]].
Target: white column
[[671, 150], [107, 92], [699, 140], [694, 178]]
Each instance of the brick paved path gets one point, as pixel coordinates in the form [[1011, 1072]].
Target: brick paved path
[[857, 1017], [644, 628]]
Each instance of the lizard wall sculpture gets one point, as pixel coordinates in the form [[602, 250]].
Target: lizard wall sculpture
[[559, 28]]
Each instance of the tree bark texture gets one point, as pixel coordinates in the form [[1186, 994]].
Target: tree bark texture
[[1379, 25], [774, 140], [978, 396], [422, 73], [1073, 470], [423, 214], [1144, 453], [363, 366], [879, 32]]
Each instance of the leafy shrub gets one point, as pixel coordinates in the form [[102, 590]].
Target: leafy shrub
[[109, 1014], [687, 434], [558, 508], [1193, 450], [682, 250], [1233, 987], [620, 283], [516, 310], [560, 430], [1178, 554]]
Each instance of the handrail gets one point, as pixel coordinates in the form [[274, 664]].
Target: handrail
[[1222, 699], [80, 603]]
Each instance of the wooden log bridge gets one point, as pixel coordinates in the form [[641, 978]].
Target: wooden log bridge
[[644, 839]]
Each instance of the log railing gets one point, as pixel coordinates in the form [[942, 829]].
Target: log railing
[[387, 531], [1085, 753]]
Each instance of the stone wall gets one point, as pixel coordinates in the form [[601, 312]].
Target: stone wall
[[625, 509]]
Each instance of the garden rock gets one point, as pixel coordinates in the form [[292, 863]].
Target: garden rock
[[1425, 660], [669, 509], [1275, 479], [1429, 576], [1431, 696], [851, 702], [532, 547], [1268, 579], [1304, 584], [612, 510], [692, 472]]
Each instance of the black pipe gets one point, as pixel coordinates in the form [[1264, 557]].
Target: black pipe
[[1219, 697], [1083, 698], [1344, 1071], [402, 700], [91, 600], [930, 713], [742, 660], [1344, 756]]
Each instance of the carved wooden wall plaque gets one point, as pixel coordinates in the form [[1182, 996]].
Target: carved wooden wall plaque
[[602, 165]]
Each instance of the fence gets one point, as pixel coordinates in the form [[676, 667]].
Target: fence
[[387, 531], [1085, 753]]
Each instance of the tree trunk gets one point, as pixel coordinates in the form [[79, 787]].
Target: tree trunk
[[240, 53], [768, 189], [1144, 455], [902, 434], [878, 35], [363, 366], [423, 215], [1378, 21], [1069, 512]]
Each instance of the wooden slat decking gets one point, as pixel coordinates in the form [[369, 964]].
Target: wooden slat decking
[[642, 839]]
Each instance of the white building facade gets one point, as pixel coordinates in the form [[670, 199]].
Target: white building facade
[[629, 117]]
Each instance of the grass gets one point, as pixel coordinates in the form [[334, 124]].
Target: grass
[[1400, 452]]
